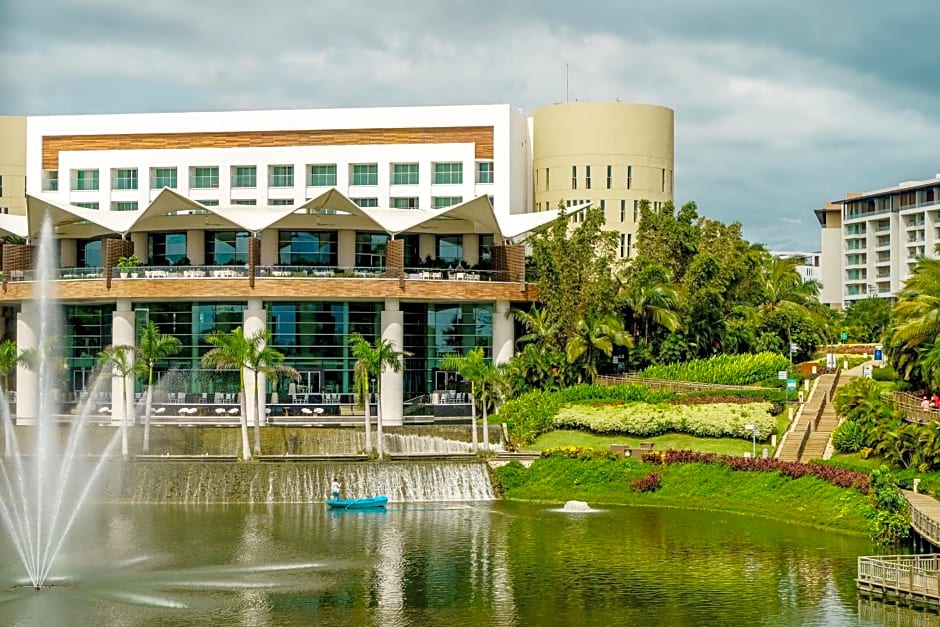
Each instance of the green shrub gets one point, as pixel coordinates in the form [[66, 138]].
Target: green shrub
[[644, 420], [849, 437], [723, 369], [884, 374]]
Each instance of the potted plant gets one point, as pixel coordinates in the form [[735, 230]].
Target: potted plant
[[128, 265]]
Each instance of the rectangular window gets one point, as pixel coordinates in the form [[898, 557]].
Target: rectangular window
[[365, 174], [245, 201], [166, 249], [485, 172], [225, 248], [125, 178], [1, 186], [50, 180], [610, 176], [404, 174], [629, 243], [548, 180], [450, 248], [307, 248], [370, 250], [439, 202], [245, 176], [629, 176], [405, 203], [574, 177], [366, 202], [664, 179], [84, 180], [448, 173], [636, 210], [587, 177], [623, 245], [321, 175], [204, 178], [623, 210], [281, 176], [124, 206], [604, 208], [208, 203], [87, 205], [280, 202], [162, 177]]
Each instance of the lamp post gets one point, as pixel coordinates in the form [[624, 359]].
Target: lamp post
[[753, 429]]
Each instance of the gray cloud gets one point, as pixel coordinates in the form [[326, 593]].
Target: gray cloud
[[779, 107]]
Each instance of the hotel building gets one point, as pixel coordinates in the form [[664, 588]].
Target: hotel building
[[871, 240], [400, 223]]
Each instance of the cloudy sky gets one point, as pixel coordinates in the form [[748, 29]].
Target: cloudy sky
[[779, 106]]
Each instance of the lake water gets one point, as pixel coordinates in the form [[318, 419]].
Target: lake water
[[440, 564]]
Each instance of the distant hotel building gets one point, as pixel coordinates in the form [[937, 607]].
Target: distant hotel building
[[871, 240], [402, 223]]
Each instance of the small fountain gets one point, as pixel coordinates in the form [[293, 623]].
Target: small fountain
[[42, 489], [577, 507]]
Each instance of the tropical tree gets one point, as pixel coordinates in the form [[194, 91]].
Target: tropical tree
[[153, 347], [648, 298], [787, 301], [481, 374], [594, 336], [371, 361], [915, 319], [866, 319], [264, 360], [119, 358], [9, 358], [540, 329], [230, 351]]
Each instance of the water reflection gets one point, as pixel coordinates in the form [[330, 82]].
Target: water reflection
[[437, 564]]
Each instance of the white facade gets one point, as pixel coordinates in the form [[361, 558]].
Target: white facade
[[509, 188], [881, 234]]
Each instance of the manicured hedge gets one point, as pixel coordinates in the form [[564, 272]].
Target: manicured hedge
[[723, 369], [643, 419]]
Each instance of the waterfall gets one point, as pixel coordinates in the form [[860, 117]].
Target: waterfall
[[300, 482]]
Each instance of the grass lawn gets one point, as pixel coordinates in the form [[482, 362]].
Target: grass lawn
[[680, 441]]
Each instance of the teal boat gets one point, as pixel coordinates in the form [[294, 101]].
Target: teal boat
[[372, 502]]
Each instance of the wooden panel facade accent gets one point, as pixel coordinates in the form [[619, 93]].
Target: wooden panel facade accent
[[254, 259], [509, 263], [480, 136], [114, 249], [19, 257], [395, 259], [277, 289]]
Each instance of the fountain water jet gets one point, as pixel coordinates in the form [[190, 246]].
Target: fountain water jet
[[40, 501]]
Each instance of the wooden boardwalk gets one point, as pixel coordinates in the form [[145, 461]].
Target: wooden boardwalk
[[908, 579]]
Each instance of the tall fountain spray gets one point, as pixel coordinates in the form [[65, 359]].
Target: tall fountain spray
[[42, 489]]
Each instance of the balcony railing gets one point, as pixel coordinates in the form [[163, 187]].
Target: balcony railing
[[242, 271]]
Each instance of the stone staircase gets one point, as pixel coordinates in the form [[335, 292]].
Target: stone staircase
[[828, 421], [793, 445]]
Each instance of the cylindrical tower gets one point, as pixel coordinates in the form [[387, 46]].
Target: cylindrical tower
[[610, 154]]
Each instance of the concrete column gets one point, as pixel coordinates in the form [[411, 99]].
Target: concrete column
[[196, 246], [68, 253], [269, 256], [503, 333], [27, 380], [471, 248], [140, 247], [393, 324], [254, 320], [427, 246], [346, 248], [122, 333]]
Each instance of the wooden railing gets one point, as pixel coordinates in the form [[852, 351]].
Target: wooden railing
[[675, 386], [910, 405], [901, 575], [925, 525]]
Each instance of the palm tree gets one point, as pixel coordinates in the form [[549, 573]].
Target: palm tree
[[649, 297], [783, 290], [371, 360], [595, 335], [264, 360], [9, 358], [474, 368], [119, 358], [153, 347], [915, 320], [230, 352], [540, 329]]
